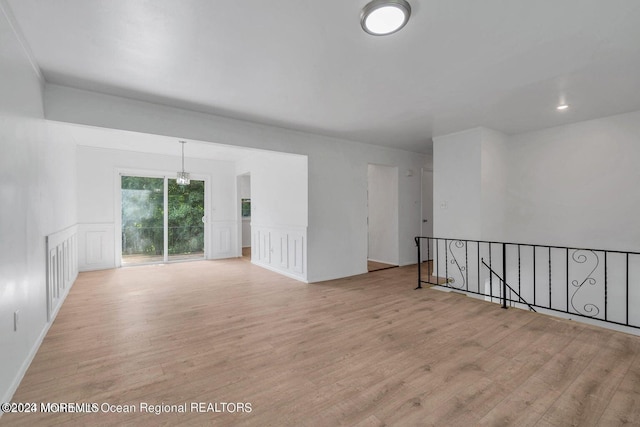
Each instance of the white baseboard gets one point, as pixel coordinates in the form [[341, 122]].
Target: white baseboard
[[382, 262], [32, 353], [276, 270]]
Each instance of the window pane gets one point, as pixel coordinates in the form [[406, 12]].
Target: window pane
[[186, 229], [142, 219], [246, 208]]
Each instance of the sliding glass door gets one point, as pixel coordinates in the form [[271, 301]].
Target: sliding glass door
[[161, 220], [186, 228], [142, 219]]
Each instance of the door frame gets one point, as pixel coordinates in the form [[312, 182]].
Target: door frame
[[423, 250], [147, 173], [239, 235], [392, 200]]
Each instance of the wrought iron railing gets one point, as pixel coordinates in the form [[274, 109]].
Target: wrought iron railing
[[597, 284], [506, 286]]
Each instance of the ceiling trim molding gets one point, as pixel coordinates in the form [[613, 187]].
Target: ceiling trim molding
[[6, 11]]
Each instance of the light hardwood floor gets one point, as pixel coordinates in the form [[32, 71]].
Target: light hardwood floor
[[375, 266], [363, 351]]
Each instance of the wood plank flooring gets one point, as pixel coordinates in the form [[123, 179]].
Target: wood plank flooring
[[246, 252], [375, 266], [362, 351]]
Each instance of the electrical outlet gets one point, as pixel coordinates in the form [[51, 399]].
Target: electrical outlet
[[443, 205], [15, 320]]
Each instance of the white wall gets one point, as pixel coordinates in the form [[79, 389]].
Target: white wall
[[244, 186], [383, 213], [98, 190], [457, 185], [37, 198], [337, 170], [576, 185], [493, 182], [572, 185]]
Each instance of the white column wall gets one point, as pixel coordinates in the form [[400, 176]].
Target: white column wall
[[279, 211], [457, 185]]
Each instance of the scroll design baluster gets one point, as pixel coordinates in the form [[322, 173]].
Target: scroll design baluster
[[583, 257], [452, 281]]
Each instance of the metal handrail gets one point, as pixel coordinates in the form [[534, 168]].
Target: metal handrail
[[417, 238], [504, 304]]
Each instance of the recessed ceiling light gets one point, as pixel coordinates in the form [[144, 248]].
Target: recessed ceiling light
[[382, 17], [562, 107]]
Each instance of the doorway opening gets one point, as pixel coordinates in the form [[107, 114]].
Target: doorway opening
[[426, 226], [244, 201], [162, 221], [382, 219]]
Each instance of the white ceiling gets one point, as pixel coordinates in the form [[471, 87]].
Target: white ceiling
[[308, 65]]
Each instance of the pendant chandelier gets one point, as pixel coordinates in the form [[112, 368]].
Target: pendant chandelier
[[183, 177]]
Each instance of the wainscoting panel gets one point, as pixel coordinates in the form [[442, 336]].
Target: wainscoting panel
[[296, 254], [62, 267], [281, 249], [96, 246], [263, 244], [223, 237]]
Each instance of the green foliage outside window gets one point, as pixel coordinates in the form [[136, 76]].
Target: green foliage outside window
[[143, 216], [246, 208]]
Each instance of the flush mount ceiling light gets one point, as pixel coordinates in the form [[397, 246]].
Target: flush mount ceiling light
[[562, 107], [183, 177], [383, 17]]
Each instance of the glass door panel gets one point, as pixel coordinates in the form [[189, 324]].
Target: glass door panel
[[142, 219], [185, 224]]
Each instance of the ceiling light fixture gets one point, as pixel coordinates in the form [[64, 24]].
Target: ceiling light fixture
[[383, 17], [183, 177], [562, 107]]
